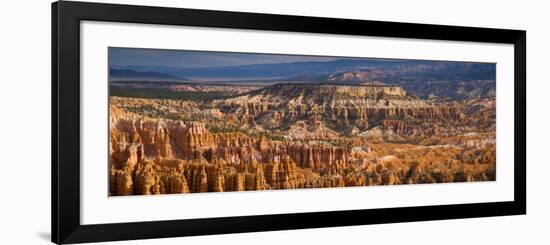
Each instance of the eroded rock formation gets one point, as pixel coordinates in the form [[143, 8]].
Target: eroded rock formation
[[298, 136]]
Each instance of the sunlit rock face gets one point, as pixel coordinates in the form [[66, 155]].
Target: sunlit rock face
[[290, 136]]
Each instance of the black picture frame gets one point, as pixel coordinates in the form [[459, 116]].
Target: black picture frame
[[66, 18]]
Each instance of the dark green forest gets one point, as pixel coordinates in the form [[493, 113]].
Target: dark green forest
[[151, 93]]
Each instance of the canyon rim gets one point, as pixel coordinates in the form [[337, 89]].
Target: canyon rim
[[200, 121]]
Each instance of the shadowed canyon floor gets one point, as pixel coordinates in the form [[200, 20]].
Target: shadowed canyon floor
[[287, 136]]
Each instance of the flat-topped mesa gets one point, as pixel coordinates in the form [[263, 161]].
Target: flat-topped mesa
[[335, 106], [352, 90], [320, 98], [365, 90]]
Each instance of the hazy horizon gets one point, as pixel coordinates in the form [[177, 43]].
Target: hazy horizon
[[126, 57], [185, 65]]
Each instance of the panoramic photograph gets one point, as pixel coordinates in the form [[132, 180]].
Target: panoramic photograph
[[183, 121]]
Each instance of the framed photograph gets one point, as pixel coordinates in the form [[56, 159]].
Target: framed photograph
[[176, 122]]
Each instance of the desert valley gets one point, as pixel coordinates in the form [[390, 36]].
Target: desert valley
[[366, 126]]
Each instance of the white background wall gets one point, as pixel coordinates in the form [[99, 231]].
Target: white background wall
[[25, 121]]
